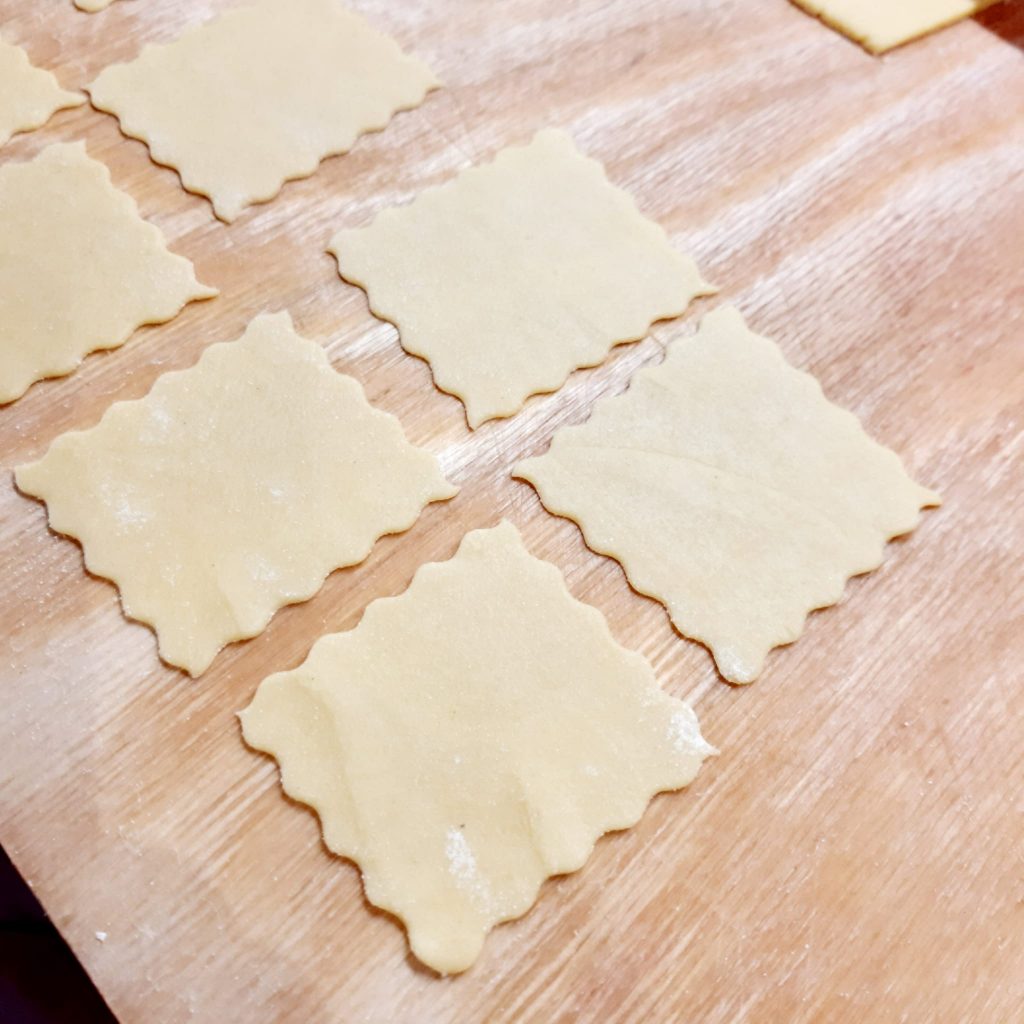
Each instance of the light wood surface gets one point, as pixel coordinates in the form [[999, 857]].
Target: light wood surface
[[855, 854]]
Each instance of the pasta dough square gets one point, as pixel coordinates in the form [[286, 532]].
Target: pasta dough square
[[261, 95], [879, 25], [233, 488], [470, 738], [517, 273], [731, 490], [29, 96], [80, 270]]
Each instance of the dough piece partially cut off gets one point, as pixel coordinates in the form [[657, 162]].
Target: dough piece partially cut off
[[517, 273], [879, 25], [731, 490], [470, 738], [261, 95], [29, 96], [92, 5], [233, 488], [80, 270]]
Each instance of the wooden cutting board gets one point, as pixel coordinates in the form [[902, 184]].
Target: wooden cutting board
[[856, 853]]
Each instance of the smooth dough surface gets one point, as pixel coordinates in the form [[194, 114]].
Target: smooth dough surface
[[92, 5], [731, 490], [233, 488], [517, 273], [879, 25], [470, 738], [260, 96], [80, 270], [29, 96]]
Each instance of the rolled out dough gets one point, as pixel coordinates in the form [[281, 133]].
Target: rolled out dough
[[233, 488], [731, 490], [879, 25], [29, 96], [517, 273], [80, 270], [261, 95], [470, 738]]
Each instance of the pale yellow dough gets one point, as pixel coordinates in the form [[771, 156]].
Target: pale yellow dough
[[92, 5], [261, 95], [233, 488], [879, 25], [80, 270], [29, 96], [731, 490], [470, 738], [517, 273]]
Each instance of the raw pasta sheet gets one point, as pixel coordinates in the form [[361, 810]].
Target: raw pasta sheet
[[29, 96], [731, 490], [517, 273], [80, 270], [879, 25], [233, 488], [470, 738], [260, 95]]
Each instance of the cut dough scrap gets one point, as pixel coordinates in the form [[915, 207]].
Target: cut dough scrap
[[517, 273], [92, 5], [731, 490], [470, 738], [29, 96], [879, 25], [80, 270], [233, 488], [260, 96]]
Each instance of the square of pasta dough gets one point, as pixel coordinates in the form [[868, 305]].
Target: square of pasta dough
[[80, 270], [233, 488], [517, 273], [260, 95], [29, 96], [470, 738], [879, 25], [731, 490]]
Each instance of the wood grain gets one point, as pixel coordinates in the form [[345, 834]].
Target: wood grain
[[856, 852]]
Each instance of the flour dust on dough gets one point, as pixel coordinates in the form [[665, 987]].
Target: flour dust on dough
[[29, 96], [233, 488], [879, 25], [80, 270], [470, 738], [260, 95], [731, 490], [518, 272]]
